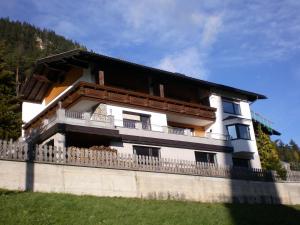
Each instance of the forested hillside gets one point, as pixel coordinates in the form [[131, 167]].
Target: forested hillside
[[20, 45], [289, 153]]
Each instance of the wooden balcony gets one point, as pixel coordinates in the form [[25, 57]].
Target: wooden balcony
[[108, 94]]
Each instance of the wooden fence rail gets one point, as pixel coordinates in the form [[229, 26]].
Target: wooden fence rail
[[108, 159]]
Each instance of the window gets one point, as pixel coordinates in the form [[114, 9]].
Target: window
[[131, 119], [146, 151], [244, 132], [231, 107], [145, 120], [129, 123], [239, 131], [245, 163], [205, 157]]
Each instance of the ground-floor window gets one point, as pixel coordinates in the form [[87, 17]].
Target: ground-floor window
[[205, 157], [245, 163], [146, 151]]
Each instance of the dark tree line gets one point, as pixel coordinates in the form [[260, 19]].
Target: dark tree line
[[289, 153], [20, 45], [272, 152]]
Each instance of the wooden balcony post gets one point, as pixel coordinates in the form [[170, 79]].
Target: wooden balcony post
[[161, 91], [101, 77]]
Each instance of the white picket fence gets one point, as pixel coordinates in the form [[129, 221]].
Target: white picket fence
[[108, 159]]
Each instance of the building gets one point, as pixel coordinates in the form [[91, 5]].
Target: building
[[265, 124], [83, 99]]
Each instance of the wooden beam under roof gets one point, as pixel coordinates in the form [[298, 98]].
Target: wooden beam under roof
[[55, 68], [41, 78], [42, 91], [75, 62], [26, 89], [36, 90]]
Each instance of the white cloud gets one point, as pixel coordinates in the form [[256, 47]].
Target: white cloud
[[223, 31], [189, 62], [259, 32], [211, 29]]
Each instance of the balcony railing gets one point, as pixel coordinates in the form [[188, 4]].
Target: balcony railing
[[75, 115], [133, 124], [259, 118], [176, 130], [129, 123], [108, 121], [73, 118]]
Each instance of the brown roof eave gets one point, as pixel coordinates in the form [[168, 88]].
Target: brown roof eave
[[90, 56]]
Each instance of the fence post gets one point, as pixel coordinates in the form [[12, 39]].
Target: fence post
[[9, 149], [64, 155]]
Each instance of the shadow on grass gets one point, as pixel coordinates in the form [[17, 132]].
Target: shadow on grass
[[258, 214], [8, 192], [260, 203], [29, 179]]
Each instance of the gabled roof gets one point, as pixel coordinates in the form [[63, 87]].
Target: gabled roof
[[81, 58]]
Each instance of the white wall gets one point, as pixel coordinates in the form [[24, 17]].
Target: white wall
[[137, 184], [30, 110], [245, 118], [222, 159], [217, 127], [158, 120]]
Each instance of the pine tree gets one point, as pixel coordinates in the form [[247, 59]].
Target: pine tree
[[267, 152], [293, 145], [10, 117], [288, 152], [19, 49]]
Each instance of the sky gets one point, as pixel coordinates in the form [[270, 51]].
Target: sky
[[249, 44]]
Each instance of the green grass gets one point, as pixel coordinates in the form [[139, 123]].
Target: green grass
[[41, 208]]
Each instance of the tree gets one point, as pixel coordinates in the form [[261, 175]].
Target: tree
[[10, 116], [293, 145], [268, 155], [288, 152], [20, 45]]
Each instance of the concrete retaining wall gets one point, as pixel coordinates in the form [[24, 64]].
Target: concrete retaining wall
[[111, 182]]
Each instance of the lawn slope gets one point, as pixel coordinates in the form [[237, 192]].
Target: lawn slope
[[41, 208]]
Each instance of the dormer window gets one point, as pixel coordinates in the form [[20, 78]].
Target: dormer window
[[231, 107]]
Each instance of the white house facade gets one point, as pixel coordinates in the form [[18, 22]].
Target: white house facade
[[83, 99]]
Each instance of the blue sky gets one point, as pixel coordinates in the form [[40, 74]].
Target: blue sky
[[253, 45]]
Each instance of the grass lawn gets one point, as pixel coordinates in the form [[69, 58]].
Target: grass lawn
[[41, 208]]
